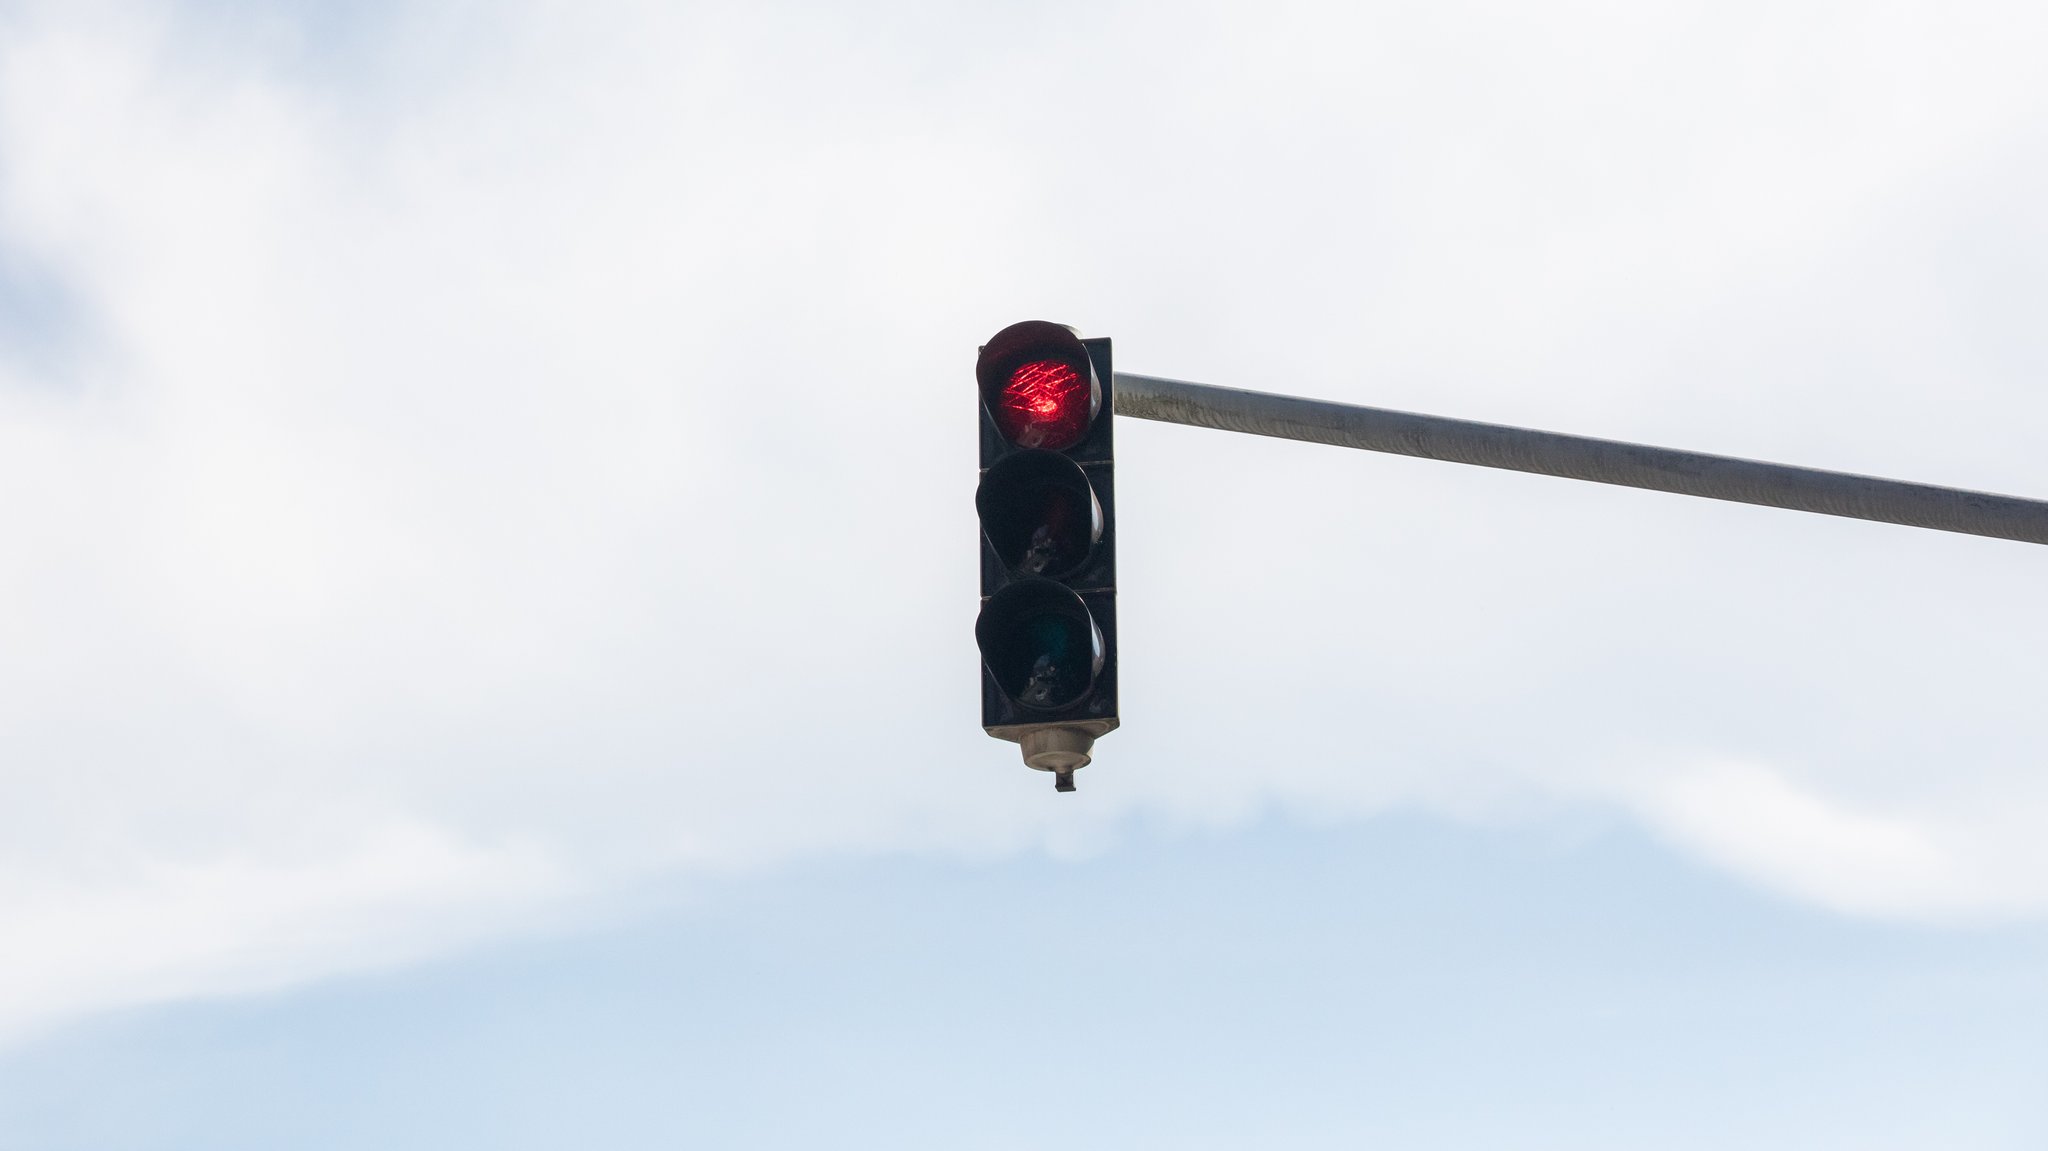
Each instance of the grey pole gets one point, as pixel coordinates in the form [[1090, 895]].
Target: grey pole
[[1581, 458]]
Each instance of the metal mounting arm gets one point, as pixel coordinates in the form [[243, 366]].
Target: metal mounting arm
[[1582, 458]]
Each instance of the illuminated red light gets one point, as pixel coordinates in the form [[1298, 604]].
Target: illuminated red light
[[1044, 405]]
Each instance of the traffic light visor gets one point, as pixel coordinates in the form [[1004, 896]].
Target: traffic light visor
[[1039, 385], [1040, 644], [1039, 513]]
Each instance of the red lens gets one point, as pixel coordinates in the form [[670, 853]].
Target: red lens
[[1044, 405]]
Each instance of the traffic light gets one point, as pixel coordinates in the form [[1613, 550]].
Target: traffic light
[[1047, 501]]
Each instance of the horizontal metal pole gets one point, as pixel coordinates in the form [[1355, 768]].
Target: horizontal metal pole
[[1581, 458]]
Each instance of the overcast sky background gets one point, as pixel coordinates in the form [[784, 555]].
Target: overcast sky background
[[487, 578]]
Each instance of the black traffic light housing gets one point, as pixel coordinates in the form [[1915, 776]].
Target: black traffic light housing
[[1047, 505]]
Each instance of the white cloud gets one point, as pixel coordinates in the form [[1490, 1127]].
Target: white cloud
[[1760, 824], [479, 439], [145, 928]]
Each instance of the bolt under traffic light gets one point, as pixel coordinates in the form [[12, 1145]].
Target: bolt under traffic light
[[1047, 629]]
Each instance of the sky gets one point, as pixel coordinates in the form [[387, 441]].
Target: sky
[[486, 611]]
